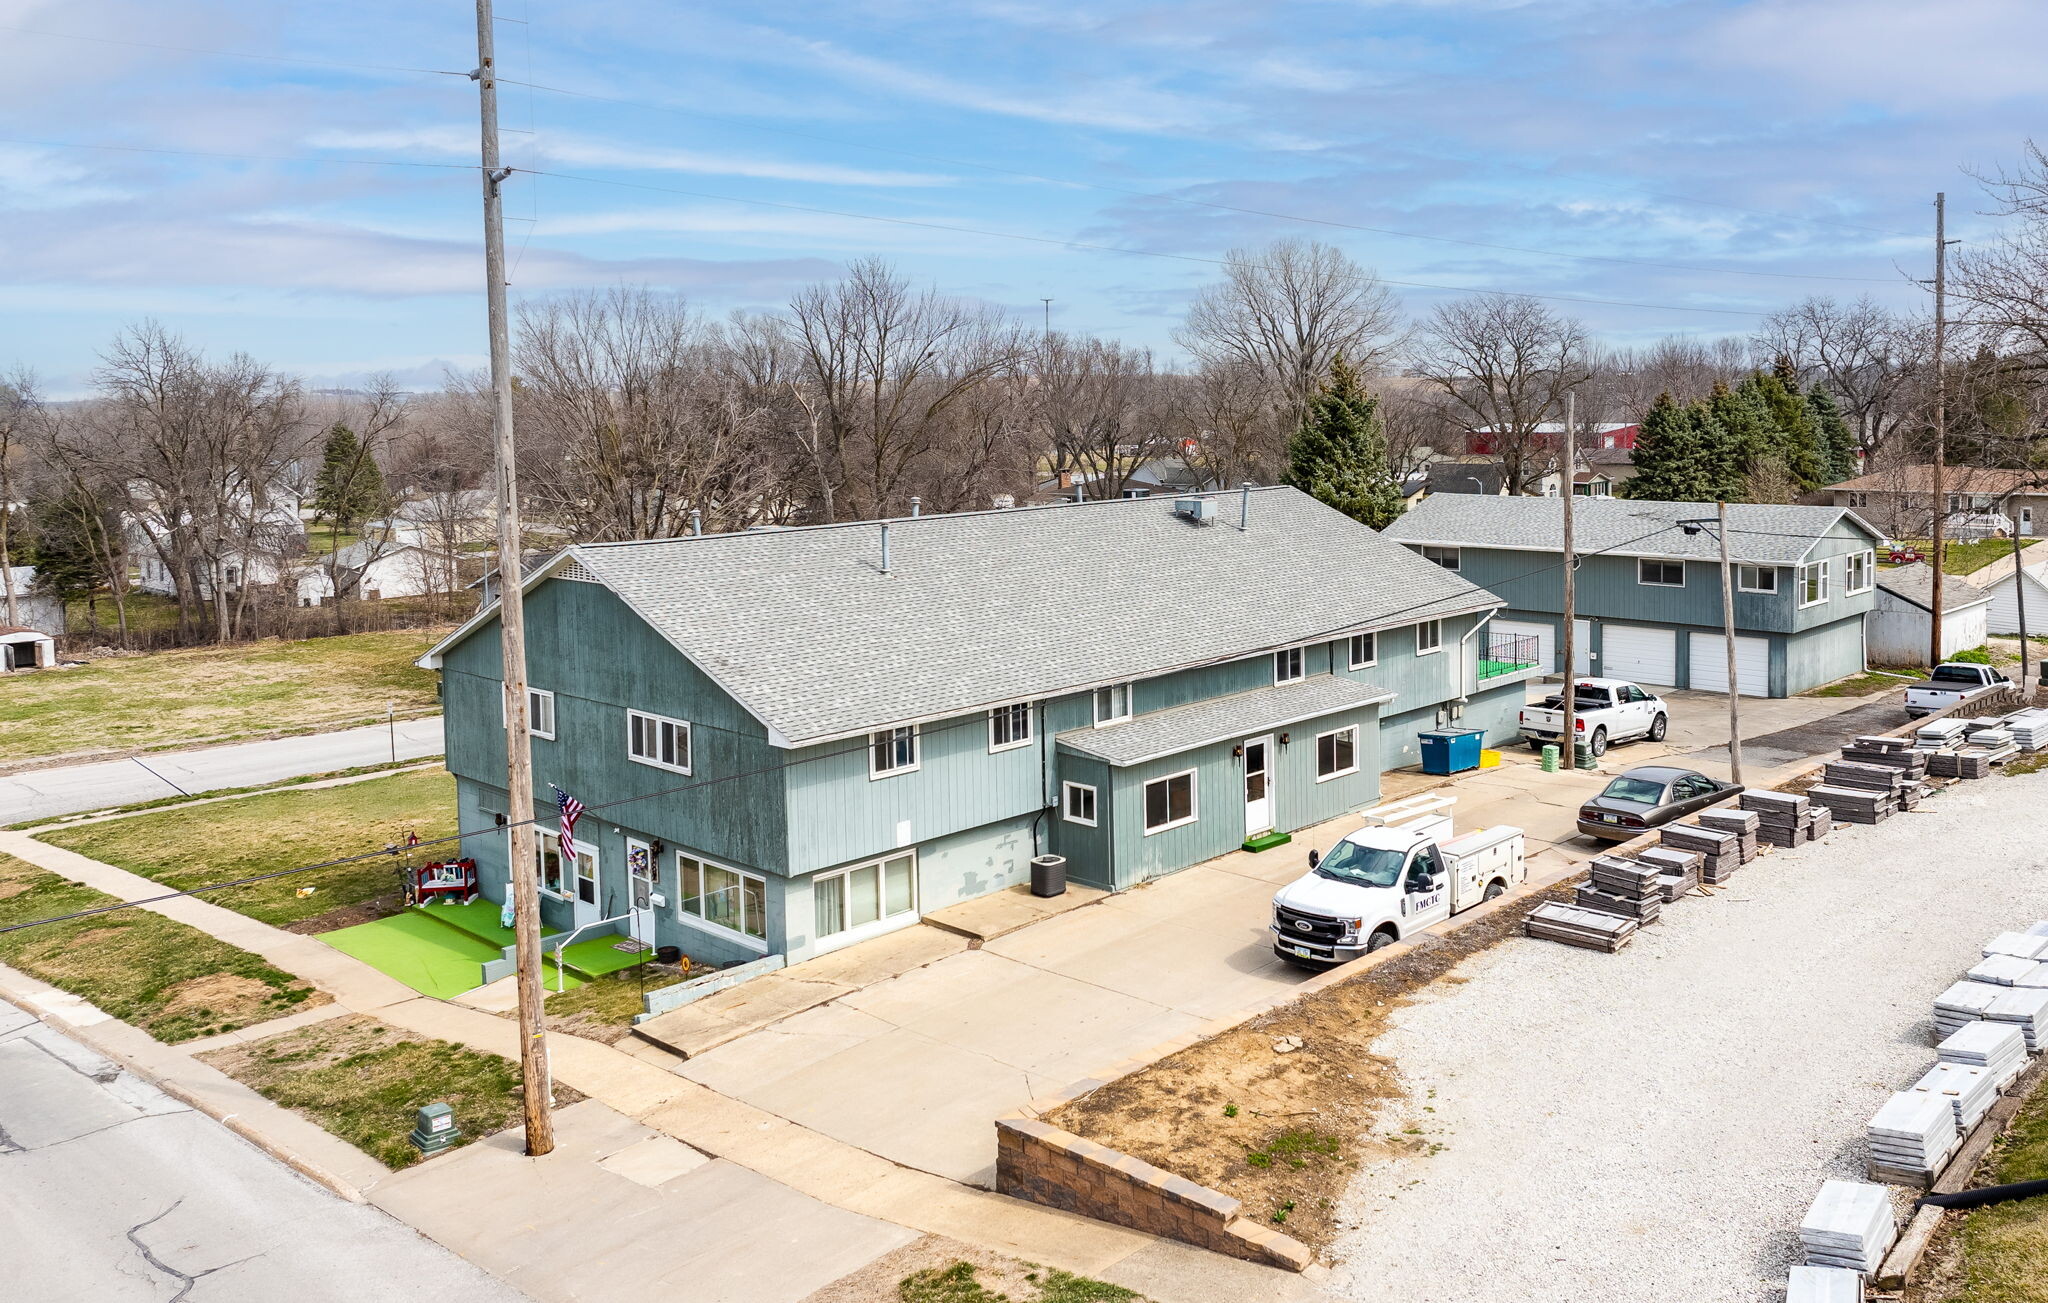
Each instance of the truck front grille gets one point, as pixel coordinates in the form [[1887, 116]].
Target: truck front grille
[[1308, 927]]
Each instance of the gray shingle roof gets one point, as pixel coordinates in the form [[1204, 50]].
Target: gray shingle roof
[[1758, 534], [801, 626], [1166, 732], [1915, 584]]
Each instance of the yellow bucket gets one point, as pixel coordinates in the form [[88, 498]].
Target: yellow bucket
[[1489, 759]]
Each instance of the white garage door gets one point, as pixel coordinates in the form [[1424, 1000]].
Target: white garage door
[[1752, 664], [1545, 636], [1645, 655]]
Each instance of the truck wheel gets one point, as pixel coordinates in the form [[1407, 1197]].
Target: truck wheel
[[1657, 727], [1380, 941], [1495, 890], [1597, 744]]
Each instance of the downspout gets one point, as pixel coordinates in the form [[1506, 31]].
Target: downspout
[[1045, 781], [1464, 655]]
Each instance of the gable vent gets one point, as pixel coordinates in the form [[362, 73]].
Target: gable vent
[[577, 571]]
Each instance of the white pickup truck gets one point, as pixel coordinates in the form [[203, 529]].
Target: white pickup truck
[[1951, 684], [1607, 711], [1399, 874]]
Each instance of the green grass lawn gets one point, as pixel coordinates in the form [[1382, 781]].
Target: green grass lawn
[[256, 834], [323, 538], [2004, 1248], [1865, 685], [603, 1008], [1965, 558], [172, 981], [363, 1081], [215, 692], [961, 1283]]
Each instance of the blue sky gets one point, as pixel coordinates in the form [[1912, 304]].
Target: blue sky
[[1796, 137]]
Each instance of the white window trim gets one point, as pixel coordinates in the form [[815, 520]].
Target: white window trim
[[1030, 729], [1067, 807], [705, 925], [542, 832], [1642, 561], [1352, 641], [1822, 567], [885, 924], [1772, 571], [1194, 800], [1299, 656], [1102, 720], [1454, 554], [689, 740], [1352, 729], [916, 753], [532, 694], [1437, 626], [1869, 559]]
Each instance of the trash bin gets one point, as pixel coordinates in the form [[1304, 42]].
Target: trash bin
[[1451, 750], [1048, 875]]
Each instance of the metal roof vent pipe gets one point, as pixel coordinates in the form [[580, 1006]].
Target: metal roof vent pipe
[[916, 507], [885, 547], [696, 524], [1244, 506]]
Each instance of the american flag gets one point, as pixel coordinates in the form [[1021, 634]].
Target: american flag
[[572, 810]]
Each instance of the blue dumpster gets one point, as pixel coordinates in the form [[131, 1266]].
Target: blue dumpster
[[1451, 750]]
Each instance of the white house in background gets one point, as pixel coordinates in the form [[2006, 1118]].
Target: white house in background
[[370, 571], [268, 538], [2010, 590], [1897, 630], [440, 522], [32, 610]]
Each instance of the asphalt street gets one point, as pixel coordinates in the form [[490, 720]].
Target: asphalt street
[[112, 1191], [48, 793]]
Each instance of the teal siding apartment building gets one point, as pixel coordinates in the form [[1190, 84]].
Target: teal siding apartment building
[[797, 739], [1649, 593]]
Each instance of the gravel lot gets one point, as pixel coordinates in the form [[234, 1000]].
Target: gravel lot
[[1652, 1124]]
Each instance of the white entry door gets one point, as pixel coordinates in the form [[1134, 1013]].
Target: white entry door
[[1752, 664], [1582, 646], [643, 880], [2026, 522], [1639, 653], [1258, 785]]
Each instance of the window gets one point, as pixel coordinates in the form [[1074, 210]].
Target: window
[[867, 896], [1009, 727], [1336, 753], [1859, 499], [722, 900], [892, 751], [1112, 704], [1287, 665], [1365, 650], [1447, 557], [1660, 574], [658, 740], [1169, 802], [540, 713], [1078, 800], [1813, 584], [565, 881], [1429, 637], [1861, 568], [1756, 579]]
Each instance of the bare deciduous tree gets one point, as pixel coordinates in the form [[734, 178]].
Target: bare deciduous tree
[[1506, 362], [1868, 357]]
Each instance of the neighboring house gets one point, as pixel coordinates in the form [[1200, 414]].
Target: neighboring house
[[1899, 628], [42, 612], [368, 571], [1550, 434], [1649, 594], [1980, 502], [1617, 464], [801, 738], [256, 543], [440, 522], [1592, 484], [1480, 477], [2014, 595], [1152, 477]]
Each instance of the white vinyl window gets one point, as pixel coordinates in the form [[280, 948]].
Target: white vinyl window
[[1336, 753], [1862, 572], [1169, 802], [1429, 637], [540, 712], [1813, 584], [1660, 574], [1365, 650], [1112, 704], [1287, 665], [727, 902], [1447, 557], [1009, 727], [1756, 579], [892, 751], [576, 881], [1077, 801], [658, 740], [864, 899]]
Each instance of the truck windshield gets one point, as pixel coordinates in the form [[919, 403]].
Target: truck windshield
[[1362, 866], [1956, 674]]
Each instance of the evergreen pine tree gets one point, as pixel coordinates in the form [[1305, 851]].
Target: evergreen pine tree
[[1339, 456], [1794, 443], [62, 551], [1676, 456], [1836, 440], [350, 488], [1746, 438]]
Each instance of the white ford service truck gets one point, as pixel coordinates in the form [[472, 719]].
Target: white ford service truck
[[1400, 873]]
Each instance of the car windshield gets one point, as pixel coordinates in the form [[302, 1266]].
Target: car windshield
[[1956, 674], [1362, 866], [1643, 790]]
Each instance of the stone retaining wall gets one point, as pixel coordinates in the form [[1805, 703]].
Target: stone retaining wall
[[1038, 1162]]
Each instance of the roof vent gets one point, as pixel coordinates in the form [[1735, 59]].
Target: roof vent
[[577, 571], [1200, 510]]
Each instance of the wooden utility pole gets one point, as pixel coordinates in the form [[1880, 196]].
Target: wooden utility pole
[[1570, 737], [2019, 590], [1728, 637], [536, 1082], [1940, 413]]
